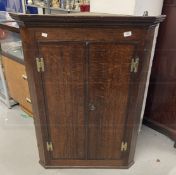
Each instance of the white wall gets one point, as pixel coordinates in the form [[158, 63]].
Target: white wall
[[131, 7], [127, 7], [154, 7], [113, 6]]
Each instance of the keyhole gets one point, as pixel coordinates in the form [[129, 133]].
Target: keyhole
[[92, 107]]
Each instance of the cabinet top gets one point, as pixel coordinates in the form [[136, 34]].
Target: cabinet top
[[85, 20]]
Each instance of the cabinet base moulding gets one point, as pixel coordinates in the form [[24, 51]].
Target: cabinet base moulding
[[87, 166], [77, 79]]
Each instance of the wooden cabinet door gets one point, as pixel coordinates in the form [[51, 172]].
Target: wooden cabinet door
[[86, 94], [108, 97], [63, 86]]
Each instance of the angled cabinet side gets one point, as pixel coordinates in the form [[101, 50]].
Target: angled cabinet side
[[87, 87]]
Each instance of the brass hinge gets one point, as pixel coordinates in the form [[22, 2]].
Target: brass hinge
[[124, 146], [49, 146], [40, 65], [134, 65]]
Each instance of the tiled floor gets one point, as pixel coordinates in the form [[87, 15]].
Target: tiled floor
[[155, 154]]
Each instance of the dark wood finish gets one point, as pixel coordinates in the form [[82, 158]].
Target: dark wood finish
[[170, 2], [90, 34], [84, 20], [108, 93], [86, 102], [160, 113], [35, 86], [63, 84]]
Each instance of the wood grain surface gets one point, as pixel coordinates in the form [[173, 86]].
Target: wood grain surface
[[87, 101], [160, 111]]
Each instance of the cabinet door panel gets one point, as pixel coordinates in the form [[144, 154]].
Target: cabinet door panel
[[63, 83], [109, 80]]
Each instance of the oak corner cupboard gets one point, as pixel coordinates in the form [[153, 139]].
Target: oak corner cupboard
[[87, 75]]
